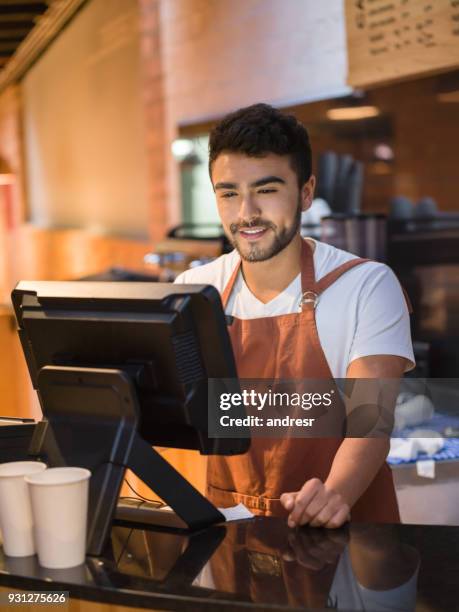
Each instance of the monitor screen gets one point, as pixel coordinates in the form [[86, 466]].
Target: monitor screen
[[170, 339]]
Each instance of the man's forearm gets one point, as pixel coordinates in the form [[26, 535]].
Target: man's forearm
[[355, 465], [358, 460]]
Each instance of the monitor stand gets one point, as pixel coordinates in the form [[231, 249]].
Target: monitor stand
[[91, 420], [200, 548]]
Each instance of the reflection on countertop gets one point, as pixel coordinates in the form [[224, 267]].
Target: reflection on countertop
[[261, 562]]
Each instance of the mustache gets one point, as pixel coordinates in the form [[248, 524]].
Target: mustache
[[235, 227]]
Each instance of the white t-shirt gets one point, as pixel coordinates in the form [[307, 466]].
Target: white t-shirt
[[363, 313]]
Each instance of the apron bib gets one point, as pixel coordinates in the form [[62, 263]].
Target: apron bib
[[288, 347]]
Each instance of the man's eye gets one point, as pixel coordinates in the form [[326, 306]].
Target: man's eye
[[228, 194], [267, 190]]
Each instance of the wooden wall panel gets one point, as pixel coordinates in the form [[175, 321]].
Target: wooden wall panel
[[420, 127], [425, 133], [37, 254], [84, 127], [46, 254]]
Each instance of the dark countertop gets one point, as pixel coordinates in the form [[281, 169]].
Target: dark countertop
[[261, 564]]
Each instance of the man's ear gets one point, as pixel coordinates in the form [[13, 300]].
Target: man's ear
[[307, 193]]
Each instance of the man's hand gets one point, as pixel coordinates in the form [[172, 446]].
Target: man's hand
[[317, 505], [314, 549], [356, 462]]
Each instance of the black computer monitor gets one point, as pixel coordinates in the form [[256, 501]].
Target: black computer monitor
[[120, 367]]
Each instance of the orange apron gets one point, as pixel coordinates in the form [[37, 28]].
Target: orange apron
[[250, 562], [288, 347]]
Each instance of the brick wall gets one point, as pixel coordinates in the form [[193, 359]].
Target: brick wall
[[155, 117], [11, 143], [11, 196]]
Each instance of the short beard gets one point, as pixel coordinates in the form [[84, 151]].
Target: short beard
[[280, 242]]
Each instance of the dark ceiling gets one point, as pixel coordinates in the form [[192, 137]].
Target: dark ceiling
[[17, 18]]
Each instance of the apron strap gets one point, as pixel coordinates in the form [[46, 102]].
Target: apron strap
[[309, 287], [230, 284], [307, 273], [332, 276], [308, 277]]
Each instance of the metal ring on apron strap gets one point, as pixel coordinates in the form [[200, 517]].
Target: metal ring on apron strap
[[309, 297]]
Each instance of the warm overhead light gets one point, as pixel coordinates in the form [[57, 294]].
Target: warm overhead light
[[352, 113], [384, 152]]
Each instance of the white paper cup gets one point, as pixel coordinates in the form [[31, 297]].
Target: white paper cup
[[16, 520], [60, 506]]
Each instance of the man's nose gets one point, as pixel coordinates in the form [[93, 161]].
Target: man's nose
[[249, 208]]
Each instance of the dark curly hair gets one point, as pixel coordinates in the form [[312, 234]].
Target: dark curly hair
[[258, 130]]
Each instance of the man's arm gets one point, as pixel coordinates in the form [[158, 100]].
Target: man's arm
[[355, 465], [358, 460]]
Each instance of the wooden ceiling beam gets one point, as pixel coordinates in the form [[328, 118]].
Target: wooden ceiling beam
[[8, 48], [24, 2], [13, 34], [58, 15], [27, 8], [10, 40], [18, 17], [25, 24]]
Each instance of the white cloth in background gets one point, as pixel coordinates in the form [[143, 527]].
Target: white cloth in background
[[420, 441], [413, 410]]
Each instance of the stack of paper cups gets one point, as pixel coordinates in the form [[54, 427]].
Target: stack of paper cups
[[16, 519], [59, 499]]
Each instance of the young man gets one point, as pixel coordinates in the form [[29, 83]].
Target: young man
[[301, 309]]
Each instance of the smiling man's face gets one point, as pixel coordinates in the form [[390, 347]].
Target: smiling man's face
[[259, 202]]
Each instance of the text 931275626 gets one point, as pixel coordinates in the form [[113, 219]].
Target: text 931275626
[[12, 598]]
